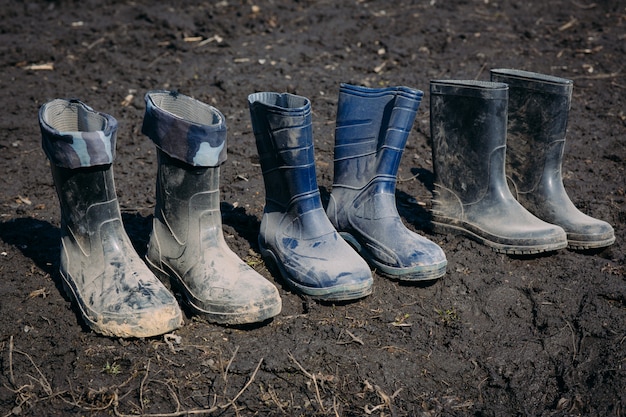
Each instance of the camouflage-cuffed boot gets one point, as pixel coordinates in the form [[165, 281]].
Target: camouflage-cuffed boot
[[295, 232], [187, 243], [538, 113], [373, 125], [116, 293]]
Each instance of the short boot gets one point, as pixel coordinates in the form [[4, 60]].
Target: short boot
[[468, 128], [187, 242], [372, 128], [538, 113], [116, 293], [295, 231]]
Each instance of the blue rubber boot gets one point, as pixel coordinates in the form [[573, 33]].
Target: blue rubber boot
[[116, 293], [372, 128], [538, 114], [187, 242], [468, 121], [295, 232]]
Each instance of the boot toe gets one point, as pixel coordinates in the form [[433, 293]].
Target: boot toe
[[591, 235], [127, 312], [325, 268], [243, 297]]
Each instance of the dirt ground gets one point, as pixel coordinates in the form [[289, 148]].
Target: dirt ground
[[497, 336]]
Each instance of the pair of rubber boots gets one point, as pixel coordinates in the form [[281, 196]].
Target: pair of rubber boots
[[497, 155], [117, 294], [305, 241]]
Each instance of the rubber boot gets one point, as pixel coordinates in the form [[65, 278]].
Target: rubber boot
[[187, 242], [372, 128], [116, 293], [538, 114], [295, 232], [468, 127]]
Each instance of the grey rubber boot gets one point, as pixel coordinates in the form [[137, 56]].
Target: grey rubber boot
[[468, 122], [116, 293], [538, 113], [373, 125], [295, 232], [187, 242]]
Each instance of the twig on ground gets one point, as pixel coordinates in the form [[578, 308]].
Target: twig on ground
[[141, 385], [230, 362], [11, 376], [245, 387], [312, 377], [355, 339]]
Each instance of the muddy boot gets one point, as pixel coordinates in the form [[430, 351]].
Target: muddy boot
[[295, 232], [371, 132], [116, 293], [468, 128], [187, 243], [538, 113]]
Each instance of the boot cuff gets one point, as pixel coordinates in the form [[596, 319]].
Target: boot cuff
[[280, 102], [533, 81], [185, 129], [470, 88], [356, 90], [75, 136]]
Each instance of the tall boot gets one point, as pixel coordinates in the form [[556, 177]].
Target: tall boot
[[468, 128], [538, 113], [295, 231], [372, 128], [187, 242], [116, 293]]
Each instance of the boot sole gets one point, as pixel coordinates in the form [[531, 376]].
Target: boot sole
[[586, 245], [114, 328], [412, 274], [338, 293], [507, 248], [217, 317]]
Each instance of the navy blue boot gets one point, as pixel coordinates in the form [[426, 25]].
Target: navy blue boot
[[373, 125], [295, 232]]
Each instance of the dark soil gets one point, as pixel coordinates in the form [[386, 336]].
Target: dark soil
[[497, 336]]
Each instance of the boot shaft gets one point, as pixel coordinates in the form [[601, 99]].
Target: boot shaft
[[188, 199], [186, 129], [372, 128], [284, 139], [468, 122], [537, 122]]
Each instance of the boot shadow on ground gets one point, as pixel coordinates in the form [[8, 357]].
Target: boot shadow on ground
[[246, 225], [39, 241], [409, 209]]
